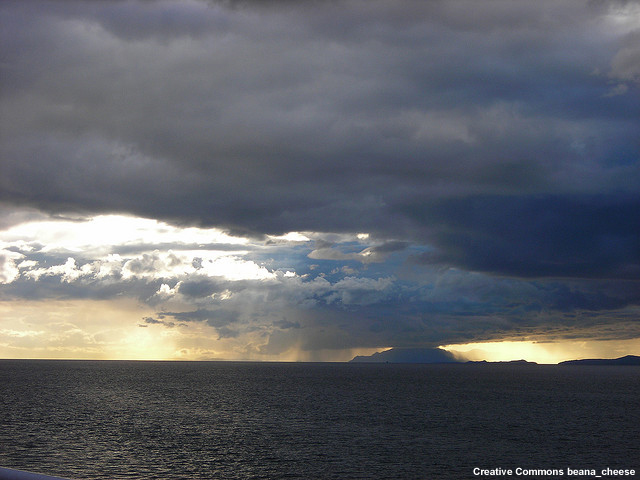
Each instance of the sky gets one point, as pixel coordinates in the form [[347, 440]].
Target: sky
[[311, 181]]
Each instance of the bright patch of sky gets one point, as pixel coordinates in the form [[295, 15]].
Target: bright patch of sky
[[96, 242], [106, 231]]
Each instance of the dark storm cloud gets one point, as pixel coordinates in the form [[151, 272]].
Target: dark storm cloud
[[536, 236], [321, 116], [498, 138], [595, 297]]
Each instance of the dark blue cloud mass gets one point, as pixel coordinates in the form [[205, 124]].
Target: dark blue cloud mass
[[535, 236]]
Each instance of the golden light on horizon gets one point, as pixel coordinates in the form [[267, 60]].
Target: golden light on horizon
[[116, 330], [544, 352], [79, 329]]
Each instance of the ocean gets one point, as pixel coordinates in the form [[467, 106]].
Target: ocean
[[89, 420]]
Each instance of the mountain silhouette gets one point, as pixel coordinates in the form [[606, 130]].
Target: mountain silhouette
[[408, 355], [627, 360]]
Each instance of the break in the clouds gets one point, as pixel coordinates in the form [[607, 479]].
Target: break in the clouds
[[458, 171]]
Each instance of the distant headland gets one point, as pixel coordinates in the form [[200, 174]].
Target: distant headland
[[512, 362], [626, 360]]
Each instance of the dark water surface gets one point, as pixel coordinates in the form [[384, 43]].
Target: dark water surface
[[214, 420]]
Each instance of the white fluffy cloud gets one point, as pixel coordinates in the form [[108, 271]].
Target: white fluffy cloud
[[9, 271]]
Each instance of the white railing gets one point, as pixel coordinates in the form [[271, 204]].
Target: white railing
[[11, 474]]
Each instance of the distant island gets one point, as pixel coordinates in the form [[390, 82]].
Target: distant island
[[408, 355], [627, 360], [423, 355]]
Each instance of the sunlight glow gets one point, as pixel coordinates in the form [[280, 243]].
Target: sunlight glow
[[290, 237], [118, 245], [544, 352], [102, 231]]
